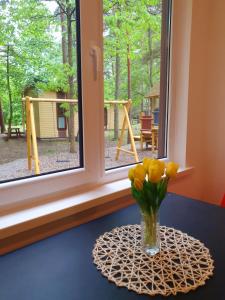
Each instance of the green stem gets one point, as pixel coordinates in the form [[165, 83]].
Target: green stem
[[150, 228]]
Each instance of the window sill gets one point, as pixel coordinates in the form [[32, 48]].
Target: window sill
[[27, 219]]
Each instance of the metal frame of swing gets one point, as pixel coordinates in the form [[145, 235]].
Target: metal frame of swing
[[31, 137]]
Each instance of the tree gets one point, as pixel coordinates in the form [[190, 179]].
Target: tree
[[27, 43], [39, 58], [9, 90], [29, 27], [67, 10], [138, 52], [2, 124]]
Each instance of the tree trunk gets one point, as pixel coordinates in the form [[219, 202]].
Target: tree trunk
[[128, 72], [9, 94], [142, 100], [117, 89], [2, 125], [150, 58], [128, 83], [117, 95], [71, 81], [64, 41], [150, 67]]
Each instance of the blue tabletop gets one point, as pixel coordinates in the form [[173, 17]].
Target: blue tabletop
[[61, 267]]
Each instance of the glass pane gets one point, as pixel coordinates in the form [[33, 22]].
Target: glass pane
[[38, 73], [132, 64], [61, 123]]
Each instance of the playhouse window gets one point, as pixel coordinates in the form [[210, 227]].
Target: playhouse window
[[61, 123], [61, 118]]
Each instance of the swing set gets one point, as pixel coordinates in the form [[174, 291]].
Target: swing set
[[31, 136]]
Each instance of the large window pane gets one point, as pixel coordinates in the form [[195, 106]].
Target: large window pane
[[39, 70], [135, 47]]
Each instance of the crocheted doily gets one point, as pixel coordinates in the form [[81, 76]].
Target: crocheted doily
[[183, 264]]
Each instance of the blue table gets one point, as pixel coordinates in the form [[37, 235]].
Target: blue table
[[61, 267]]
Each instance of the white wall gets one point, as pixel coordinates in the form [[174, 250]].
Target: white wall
[[205, 142]]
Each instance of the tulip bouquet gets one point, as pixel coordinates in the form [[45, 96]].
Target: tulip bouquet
[[149, 182]]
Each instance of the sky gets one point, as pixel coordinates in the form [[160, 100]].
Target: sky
[[52, 5]]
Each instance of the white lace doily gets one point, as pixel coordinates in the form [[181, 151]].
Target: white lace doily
[[183, 264]]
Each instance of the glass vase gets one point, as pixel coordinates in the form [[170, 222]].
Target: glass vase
[[150, 237]]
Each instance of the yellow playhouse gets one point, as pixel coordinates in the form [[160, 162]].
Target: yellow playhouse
[[51, 121]]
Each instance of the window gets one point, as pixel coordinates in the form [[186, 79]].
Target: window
[[136, 54], [39, 59], [61, 123], [61, 119], [93, 150]]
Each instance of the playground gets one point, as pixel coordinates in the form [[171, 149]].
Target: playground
[[53, 156], [24, 154], [40, 85]]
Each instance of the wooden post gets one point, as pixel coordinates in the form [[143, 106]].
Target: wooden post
[[154, 139], [141, 135], [31, 130], [34, 140], [28, 133], [122, 132], [133, 147], [23, 117], [126, 121]]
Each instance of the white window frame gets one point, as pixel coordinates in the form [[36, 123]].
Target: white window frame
[[16, 193], [35, 188]]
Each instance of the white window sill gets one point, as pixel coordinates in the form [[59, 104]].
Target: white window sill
[[27, 219]]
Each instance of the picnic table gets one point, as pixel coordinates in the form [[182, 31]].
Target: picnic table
[[15, 132]]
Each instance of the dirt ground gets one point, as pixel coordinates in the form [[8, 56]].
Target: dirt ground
[[54, 155], [16, 148]]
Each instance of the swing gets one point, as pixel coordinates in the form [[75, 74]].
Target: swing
[[126, 124], [32, 138], [32, 149]]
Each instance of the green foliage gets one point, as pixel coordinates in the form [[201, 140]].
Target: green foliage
[[35, 58], [127, 22], [34, 34]]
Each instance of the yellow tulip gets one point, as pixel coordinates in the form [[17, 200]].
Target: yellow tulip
[[138, 184], [162, 167], [131, 174], [155, 163], [146, 162], [171, 169], [139, 172], [154, 173]]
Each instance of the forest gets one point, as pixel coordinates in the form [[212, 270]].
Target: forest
[[38, 51]]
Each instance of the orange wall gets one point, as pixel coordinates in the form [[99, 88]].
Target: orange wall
[[205, 142], [214, 117]]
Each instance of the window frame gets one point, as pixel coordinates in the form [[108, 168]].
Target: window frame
[[36, 189], [27, 190]]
